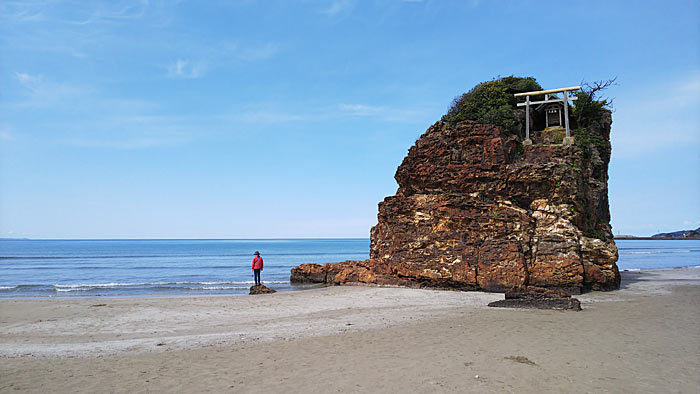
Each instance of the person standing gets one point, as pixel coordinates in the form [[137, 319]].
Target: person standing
[[257, 267]]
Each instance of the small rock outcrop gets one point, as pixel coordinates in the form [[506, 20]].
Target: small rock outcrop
[[537, 298], [261, 289], [478, 210]]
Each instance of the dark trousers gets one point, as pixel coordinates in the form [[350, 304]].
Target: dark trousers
[[256, 274]]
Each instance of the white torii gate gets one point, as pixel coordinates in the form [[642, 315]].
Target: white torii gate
[[565, 100]]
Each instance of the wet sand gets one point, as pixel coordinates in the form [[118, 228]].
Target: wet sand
[[642, 338]]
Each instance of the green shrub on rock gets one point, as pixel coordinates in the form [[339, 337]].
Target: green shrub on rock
[[491, 102]]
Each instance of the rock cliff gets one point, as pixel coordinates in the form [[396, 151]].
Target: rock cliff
[[477, 210]]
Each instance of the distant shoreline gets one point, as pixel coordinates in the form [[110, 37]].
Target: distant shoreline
[[633, 238], [181, 239], [617, 237]]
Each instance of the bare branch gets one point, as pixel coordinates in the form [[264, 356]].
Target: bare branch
[[592, 88], [591, 93]]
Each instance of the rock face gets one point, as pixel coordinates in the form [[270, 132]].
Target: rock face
[[261, 289], [476, 209]]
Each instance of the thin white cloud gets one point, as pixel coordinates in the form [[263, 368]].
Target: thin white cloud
[[76, 27], [660, 121], [227, 52], [338, 7], [82, 13], [128, 143], [266, 116], [40, 92], [218, 56], [6, 136], [362, 109], [80, 28], [186, 69], [691, 86], [105, 122], [272, 114], [133, 127], [130, 128], [261, 52], [114, 11], [23, 11], [28, 80], [389, 114]]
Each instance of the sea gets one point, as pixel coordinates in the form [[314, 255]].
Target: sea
[[69, 268]]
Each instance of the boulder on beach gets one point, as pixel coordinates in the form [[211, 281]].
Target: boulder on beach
[[531, 297], [261, 289]]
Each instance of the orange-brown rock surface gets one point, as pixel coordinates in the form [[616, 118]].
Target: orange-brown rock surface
[[476, 209]]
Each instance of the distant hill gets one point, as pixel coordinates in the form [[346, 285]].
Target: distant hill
[[683, 234], [680, 234]]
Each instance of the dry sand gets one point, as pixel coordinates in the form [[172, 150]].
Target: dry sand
[[644, 338]]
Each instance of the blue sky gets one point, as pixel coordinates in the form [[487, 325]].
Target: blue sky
[[250, 119]]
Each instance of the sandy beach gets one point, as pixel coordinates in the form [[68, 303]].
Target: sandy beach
[[644, 338]]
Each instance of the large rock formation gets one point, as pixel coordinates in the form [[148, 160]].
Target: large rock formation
[[476, 209]]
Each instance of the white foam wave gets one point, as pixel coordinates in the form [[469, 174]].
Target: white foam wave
[[183, 285], [67, 290], [79, 285], [247, 282], [218, 288], [103, 285], [658, 252], [7, 287]]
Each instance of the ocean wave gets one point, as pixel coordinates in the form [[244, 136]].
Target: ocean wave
[[97, 285], [126, 268], [658, 252], [24, 287], [139, 256], [218, 288], [159, 286], [148, 284]]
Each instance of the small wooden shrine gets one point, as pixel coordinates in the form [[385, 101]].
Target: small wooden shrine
[[553, 105]]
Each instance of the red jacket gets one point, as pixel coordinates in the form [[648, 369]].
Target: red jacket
[[257, 263]]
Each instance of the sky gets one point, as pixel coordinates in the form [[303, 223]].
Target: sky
[[287, 119]]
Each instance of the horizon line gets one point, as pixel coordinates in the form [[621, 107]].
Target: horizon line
[[170, 239]]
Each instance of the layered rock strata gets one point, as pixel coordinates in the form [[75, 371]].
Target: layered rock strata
[[477, 210]]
